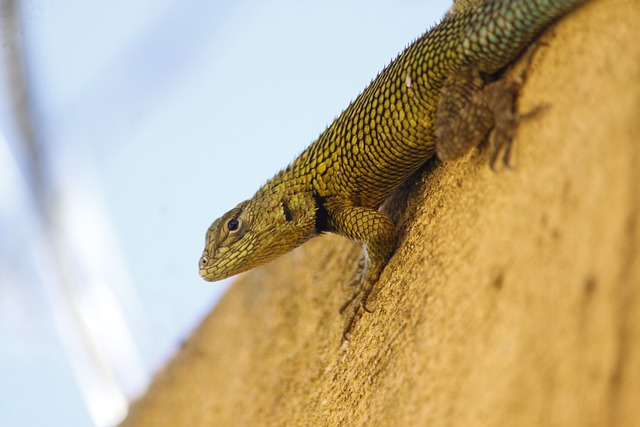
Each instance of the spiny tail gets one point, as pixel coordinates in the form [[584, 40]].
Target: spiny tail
[[498, 30]]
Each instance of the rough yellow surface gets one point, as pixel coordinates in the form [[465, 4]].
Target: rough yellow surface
[[513, 298]]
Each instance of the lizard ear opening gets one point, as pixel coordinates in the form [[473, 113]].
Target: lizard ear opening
[[288, 215]]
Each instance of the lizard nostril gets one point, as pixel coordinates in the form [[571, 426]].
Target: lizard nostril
[[204, 260]]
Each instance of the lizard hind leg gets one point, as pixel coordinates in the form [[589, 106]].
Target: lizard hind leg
[[469, 110], [463, 117]]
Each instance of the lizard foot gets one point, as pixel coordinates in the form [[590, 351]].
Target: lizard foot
[[500, 97], [501, 136], [356, 303]]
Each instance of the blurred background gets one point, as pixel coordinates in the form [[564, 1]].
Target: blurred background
[[126, 128]]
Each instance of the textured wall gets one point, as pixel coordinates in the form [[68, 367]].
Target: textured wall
[[513, 298]]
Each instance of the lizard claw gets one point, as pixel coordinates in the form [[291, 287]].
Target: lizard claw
[[350, 322], [365, 298], [501, 136], [354, 304], [357, 301]]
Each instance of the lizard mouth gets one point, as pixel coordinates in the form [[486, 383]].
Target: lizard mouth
[[203, 274], [207, 275]]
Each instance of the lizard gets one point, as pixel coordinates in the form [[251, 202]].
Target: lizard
[[438, 97]]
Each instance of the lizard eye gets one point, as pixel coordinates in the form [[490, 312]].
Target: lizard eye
[[233, 224]]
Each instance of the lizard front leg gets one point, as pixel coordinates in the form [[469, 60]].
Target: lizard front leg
[[377, 231]]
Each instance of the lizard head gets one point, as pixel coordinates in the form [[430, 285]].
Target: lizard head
[[255, 232]]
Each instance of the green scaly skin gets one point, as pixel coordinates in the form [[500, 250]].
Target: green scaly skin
[[433, 98]]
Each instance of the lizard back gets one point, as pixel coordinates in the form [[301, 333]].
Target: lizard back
[[387, 132]]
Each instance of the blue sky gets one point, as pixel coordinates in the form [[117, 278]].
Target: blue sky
[[155, 117]]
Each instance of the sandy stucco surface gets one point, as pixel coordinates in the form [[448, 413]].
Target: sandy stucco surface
[[513, 298]]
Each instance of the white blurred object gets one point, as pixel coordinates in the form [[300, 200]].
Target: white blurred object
[[52, 224]]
